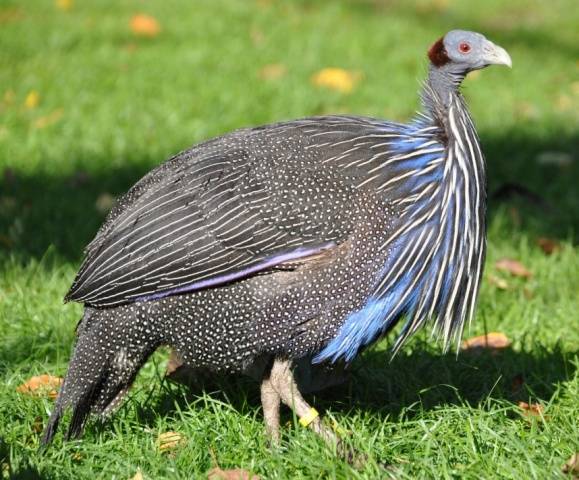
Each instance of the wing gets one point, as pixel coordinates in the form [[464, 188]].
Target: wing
[[244, 203]]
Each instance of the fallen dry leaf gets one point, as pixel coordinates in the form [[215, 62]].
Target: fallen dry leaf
[[530, 410], [145, 25], [47, 120], [64, 5], [514, 267], [138, 475], [41, 386], [104, 202], [491, 341], [273, 71], [548, 245], [498, 282], [235, 474], [32, 99], [572, 465], [336, 79], [169, 441]]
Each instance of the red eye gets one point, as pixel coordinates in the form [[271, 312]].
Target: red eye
[[464, 47]]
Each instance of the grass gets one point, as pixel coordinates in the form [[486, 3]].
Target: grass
[[112, 105]]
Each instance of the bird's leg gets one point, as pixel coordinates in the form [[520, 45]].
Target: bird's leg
[[270, 402], [282, 380]]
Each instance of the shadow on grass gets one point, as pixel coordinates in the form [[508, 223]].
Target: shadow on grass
[[411, 383], [16, 472], [42, 211]]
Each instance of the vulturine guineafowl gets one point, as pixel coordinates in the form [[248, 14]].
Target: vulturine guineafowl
[[307, 238]]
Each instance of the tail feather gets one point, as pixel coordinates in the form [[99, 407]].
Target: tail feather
[[106, 359]]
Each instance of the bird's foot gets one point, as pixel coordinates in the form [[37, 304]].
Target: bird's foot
[[279, 387]]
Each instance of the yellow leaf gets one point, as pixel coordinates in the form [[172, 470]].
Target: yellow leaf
[[336, 79], [498, 282], [47, 120], [169, 441], [32, 99], [490, 341], [138, 475], [145, 25], [65, 5], [42, 385]]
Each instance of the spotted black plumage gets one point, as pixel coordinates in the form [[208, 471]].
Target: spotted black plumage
[[308, 238]]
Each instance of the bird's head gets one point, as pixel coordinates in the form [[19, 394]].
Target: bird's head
[[460, 52]]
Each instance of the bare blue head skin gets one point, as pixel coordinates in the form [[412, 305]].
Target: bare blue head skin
[[458, 53]]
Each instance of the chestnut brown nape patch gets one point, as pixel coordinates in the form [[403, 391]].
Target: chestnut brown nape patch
[[437, 53]]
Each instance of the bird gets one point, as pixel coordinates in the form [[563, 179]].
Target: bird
[[305, 239]]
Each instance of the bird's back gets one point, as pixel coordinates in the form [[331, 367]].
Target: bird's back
[[236, 205]]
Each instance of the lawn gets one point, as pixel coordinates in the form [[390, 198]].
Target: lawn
[[87, 107]]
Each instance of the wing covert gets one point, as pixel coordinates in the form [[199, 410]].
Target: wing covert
[[222, 211]]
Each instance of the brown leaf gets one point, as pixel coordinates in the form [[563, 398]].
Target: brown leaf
[[145, 25], [273, 71], [514, 267], [490, 341], [531, 410], [548, 245], [169, 441], [47, 120], [572, 465], [235, 474], [336, 79], [498, 282], [41, 386]]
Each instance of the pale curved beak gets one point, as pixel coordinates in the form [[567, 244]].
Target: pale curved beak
[[495, 55]]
